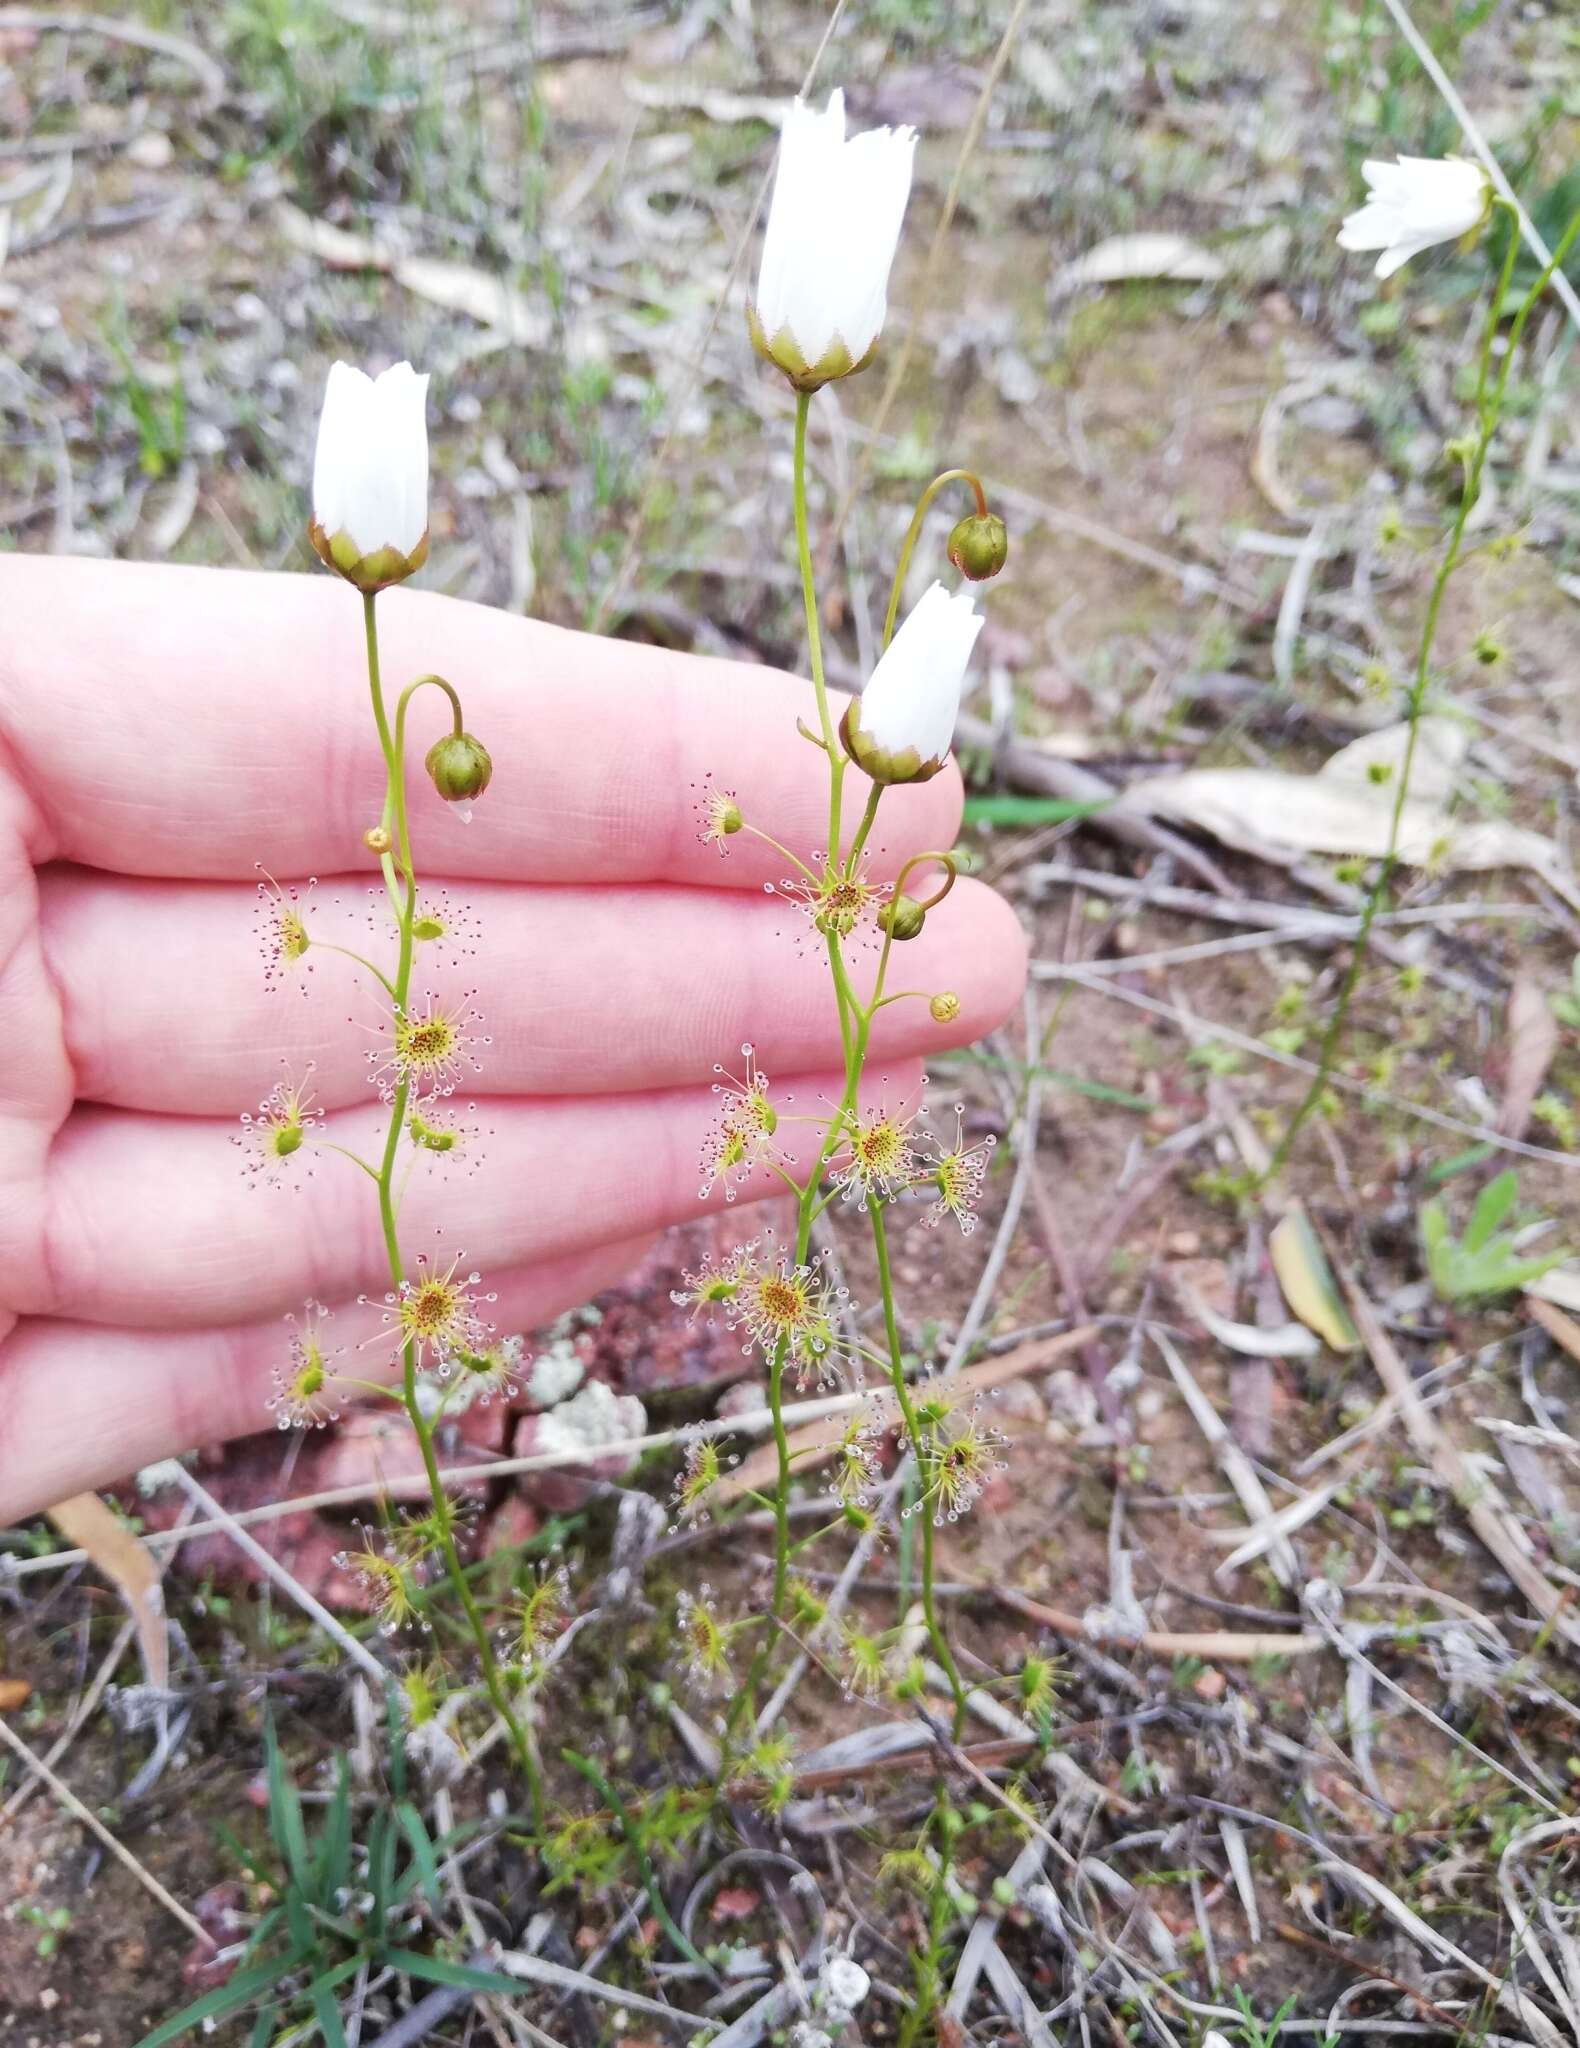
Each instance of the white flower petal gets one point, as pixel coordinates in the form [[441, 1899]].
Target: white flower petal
[[913, 697], [370, 467], [1413, 205], [833, 227]]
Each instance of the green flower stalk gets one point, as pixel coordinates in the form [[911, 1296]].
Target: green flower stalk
[[1471, 452], [370, 525]]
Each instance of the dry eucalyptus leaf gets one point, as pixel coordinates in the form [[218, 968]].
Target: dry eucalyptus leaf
[[1533, 1040], [457, 287], [129, 1566], [1347, 807], [1285, 1340], [1307, 1281], [1157, 256]]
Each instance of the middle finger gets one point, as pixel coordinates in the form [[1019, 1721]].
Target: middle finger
[[579, 990]]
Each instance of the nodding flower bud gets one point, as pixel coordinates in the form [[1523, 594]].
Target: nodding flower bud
[[903, 918], [979, 546], [944, 1008], [377, 839], [459, 767]]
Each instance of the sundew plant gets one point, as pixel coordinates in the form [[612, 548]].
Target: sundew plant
[[816, 316]]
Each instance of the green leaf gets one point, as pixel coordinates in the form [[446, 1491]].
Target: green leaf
[[1445, 1169], [421, 1847], [1494, 1202], [245, 1985], [300, 1922], [460, 1976], [395, 1738], [285, 1810], [1486, 1260], [325, 2009], [381, 1869], [1027, 810], [333, 1871], [447, 1843], [263, 2027]]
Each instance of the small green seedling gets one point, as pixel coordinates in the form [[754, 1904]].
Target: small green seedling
[[52, 1922], [1485, 1260]]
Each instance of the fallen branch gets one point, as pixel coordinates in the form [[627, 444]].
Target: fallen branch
[[1213, 1646]]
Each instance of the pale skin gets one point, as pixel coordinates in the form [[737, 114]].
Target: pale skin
[[165, 730]]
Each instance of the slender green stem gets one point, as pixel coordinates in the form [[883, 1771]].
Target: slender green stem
[[913, 531], [1489, 410], [783, 851], [428, 682], [326, 1145], [405, 899], [867, 817], [814, 636], [644, 1863], [920, 1450], [346, 953]]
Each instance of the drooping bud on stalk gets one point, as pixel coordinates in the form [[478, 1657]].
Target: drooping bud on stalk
[[903, 918], [833, 226], [370, 476], [944, 1008], [979, 546], [459, 767], [901, 727]]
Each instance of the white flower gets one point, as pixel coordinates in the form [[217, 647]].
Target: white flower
[[1414, 204], [901, 727], [844, 1982], [370, 475], [833, 226]]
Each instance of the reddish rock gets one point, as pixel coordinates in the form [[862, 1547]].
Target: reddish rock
[[513, 1522], [644, 1340]]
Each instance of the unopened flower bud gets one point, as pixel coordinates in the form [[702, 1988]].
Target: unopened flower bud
[[979, 546], [459, 767], [903, 918], [944, 1008], [377, 839]]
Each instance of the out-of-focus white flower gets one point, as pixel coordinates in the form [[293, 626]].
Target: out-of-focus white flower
[[833, 227], [1414, 204], [845, 1983], [901, 727], [370, 475]]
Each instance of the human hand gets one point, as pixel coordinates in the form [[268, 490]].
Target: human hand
[[163, 732]]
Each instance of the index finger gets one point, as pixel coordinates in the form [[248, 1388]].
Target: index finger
[[197, 722]]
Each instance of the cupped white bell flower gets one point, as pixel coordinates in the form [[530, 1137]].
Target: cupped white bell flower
[[1414, 204], [833, 227], [370, 475], [902, 726]]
